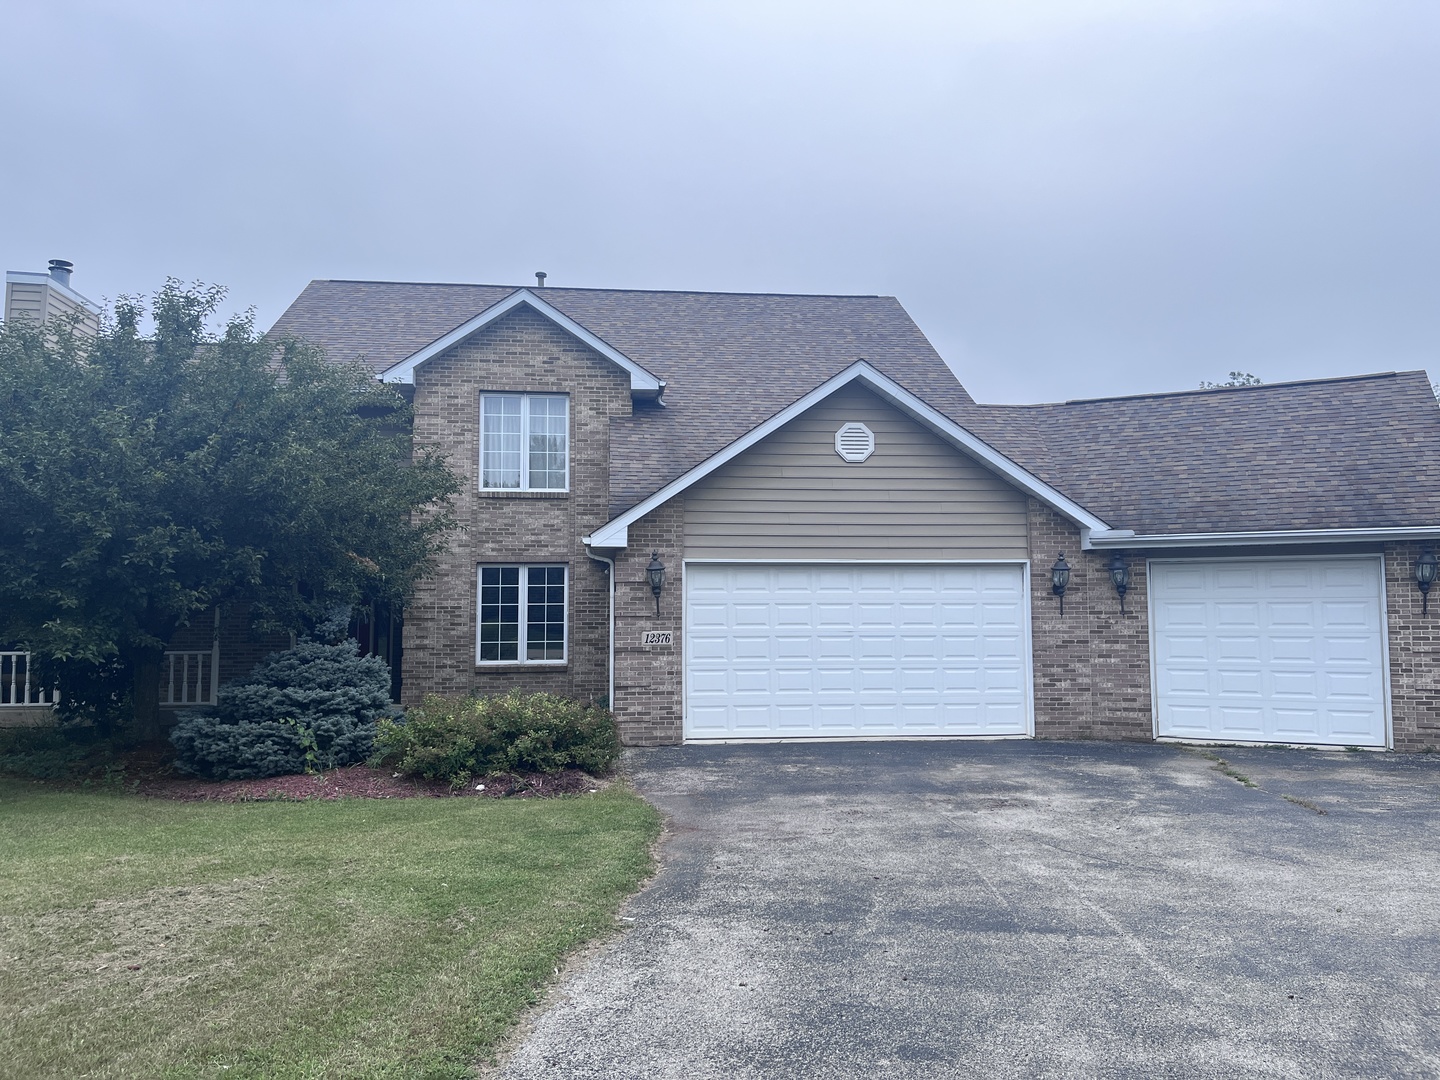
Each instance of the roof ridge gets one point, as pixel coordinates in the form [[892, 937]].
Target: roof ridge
[[585, 288], [1206, 390]]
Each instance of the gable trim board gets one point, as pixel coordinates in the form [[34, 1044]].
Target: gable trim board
[[940, 708], [642, 382], [613, 534], [1312, 659]]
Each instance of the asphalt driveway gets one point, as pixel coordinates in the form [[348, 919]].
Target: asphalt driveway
[[1018, 909]]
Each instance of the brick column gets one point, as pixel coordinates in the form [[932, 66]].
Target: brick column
[[1414, 653], [649, 703], [1092, 665]]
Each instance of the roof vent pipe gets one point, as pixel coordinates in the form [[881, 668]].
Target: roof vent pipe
[[540, 276], [60, 271]]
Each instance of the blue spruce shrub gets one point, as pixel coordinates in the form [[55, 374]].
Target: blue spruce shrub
[[308, 708]]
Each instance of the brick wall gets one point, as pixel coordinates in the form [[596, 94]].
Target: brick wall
[[1092, 665], [520, 352], [649, 679], [1414, 653]]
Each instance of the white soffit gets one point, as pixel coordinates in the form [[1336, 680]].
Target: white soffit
[[612, 533], [642, 382]]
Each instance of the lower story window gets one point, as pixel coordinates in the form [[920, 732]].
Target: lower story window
[[521, 615]]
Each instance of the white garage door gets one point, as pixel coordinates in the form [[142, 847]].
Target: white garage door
[[1270, 650], [795, 651]]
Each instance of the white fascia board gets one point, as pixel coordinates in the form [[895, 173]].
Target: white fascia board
[[614, 538], [29, 278], [1123, 539], [612, 533], [641, 381]]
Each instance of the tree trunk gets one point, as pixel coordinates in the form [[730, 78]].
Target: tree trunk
[[145, 693]]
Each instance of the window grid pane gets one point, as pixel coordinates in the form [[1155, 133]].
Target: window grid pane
[[549, 435], [500, 442], [499, 612], [545, 618], [512, 595]]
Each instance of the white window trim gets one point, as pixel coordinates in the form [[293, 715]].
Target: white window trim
[[524, 439], [521, 644]]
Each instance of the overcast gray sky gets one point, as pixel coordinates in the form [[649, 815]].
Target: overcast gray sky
[[1073, 199]]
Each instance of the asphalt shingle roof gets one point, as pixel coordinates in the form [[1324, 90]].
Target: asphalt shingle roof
[[1359, 452], [1339, 453]]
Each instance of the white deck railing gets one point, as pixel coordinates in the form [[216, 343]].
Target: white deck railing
[[188, 677], [16, 689]]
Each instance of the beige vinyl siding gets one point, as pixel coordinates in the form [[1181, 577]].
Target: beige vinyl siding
[[25, 300], [39, 302], [792, 497]]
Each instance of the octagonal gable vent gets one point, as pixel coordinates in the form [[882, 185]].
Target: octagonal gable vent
[[854, 442]]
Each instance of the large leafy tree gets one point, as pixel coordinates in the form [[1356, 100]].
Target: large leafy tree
[[145, 477]]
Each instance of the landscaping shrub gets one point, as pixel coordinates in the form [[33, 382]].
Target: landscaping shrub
[[308, 708], [456, 739], [49, 752]]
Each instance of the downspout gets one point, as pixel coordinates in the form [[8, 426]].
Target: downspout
[[610, 664]]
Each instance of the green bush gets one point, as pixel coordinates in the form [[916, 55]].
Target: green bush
[[456, 739], [308, 708], [49, 752]]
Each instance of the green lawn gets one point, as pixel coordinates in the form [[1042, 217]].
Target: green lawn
[[394, 938]]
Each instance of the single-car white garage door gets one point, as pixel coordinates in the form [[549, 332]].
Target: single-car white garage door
[[846, 650], [1270, 650]]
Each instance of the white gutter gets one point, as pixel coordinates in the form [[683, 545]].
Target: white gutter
[[610, 665], [1116, 538]]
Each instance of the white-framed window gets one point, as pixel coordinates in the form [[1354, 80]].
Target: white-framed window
[[524, 442], [521, 614]]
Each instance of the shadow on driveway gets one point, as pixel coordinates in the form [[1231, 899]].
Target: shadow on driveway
[[1018, 909]]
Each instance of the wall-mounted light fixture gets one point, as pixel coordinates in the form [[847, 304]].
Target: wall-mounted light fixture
[[656, 573], [1425, 568], [1120, 575], [1060, 579]]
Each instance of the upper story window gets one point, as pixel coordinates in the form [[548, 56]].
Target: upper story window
[[525, 442]]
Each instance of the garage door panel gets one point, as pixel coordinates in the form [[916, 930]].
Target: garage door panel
[[1351, 614], [864, 649], [1233, 682], [1308, 666], [1295, 684], [1231, 649], [1351, 725], [1298, 725], [1232, 615], [1237, 721], [1291, 616]]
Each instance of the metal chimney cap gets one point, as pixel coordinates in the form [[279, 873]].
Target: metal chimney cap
[[540, 277], [60, 270]]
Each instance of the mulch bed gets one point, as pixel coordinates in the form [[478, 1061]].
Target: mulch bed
[[363, 782], [150, 771]]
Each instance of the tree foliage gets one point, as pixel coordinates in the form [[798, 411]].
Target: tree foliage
[[1237, 378], [146, 477]]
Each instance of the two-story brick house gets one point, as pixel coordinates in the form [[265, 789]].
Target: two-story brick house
[[853, 548]]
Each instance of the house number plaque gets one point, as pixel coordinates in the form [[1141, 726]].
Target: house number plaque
[[657, 637]]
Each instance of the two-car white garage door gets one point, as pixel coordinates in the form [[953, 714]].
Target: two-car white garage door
[[1270, 650], [794, 650]]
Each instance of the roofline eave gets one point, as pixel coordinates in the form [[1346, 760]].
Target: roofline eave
[[1127, 538], [613, 533]]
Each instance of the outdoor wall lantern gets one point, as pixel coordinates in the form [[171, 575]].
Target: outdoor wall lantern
[[1060, 579], [1120, 575], [656, 572], [1425, 567]]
